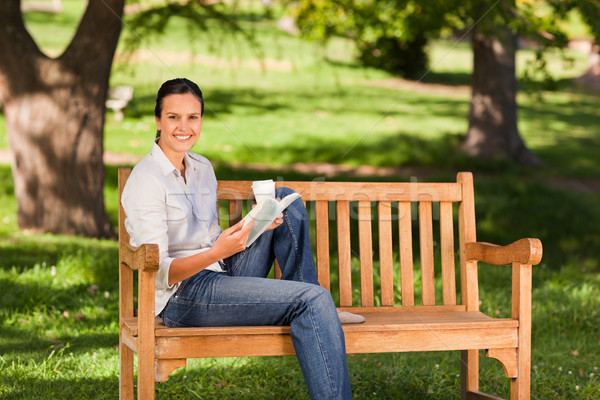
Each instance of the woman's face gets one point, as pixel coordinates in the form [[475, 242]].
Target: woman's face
[[180, 124]]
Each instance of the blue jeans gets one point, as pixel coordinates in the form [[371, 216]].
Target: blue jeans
[[243, 296]]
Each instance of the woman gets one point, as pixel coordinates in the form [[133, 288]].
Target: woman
[[209, 278]]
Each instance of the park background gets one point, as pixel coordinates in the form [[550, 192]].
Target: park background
[[300, 110]]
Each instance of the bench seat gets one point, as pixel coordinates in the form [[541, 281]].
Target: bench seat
[[392, 331]]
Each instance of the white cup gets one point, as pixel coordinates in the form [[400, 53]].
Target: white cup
[[263, 189]]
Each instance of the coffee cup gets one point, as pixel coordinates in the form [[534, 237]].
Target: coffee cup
[[263, 189]]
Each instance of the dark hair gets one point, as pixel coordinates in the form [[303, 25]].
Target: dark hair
[[176, 86]]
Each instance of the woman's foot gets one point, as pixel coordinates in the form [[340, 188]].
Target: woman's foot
[[349, 318]]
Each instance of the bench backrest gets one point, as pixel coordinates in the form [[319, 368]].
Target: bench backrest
[[343, 211], [386, 210]]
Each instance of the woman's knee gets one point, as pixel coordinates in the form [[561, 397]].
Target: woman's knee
[[283, 191], [319, 295], [295, 210]]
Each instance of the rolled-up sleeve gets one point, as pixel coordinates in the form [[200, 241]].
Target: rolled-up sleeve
[[144, 202]]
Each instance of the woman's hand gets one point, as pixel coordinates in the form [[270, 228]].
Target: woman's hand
[[278, 221], [232, 240]]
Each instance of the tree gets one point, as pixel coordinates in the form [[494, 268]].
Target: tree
[[493, 131], [391, 35], [54, 111], [55, 107]]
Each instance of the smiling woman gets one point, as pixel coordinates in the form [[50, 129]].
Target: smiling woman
[[178, 114], [209, 277]]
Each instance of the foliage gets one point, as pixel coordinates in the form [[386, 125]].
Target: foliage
[[588, 9], [389, 34], [151, 21], [393, 34]]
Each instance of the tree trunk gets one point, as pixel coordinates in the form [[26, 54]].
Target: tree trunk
[[54, 111], [493, 131]]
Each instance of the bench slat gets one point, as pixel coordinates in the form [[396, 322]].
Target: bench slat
[[235, 211], [447, 244], [344, 253], [366, 253], [386, 260], [322, 239], [352, 191], [406, 254], [426, 243], [377, 320]]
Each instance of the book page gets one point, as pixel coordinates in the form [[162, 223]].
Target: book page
[[265, 213]]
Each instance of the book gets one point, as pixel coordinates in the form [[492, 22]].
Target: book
[[265, 213]]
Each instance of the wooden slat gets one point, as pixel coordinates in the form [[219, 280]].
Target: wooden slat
[[406, 254], [352, 191], [235, 211], [322, 239], [466, 226], [378, 319], [366, 253], [426, 246], [386, 267], [344, 253], [469, 290], [447, 245]]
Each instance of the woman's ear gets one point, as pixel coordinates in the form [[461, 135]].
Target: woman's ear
[[157, 120]]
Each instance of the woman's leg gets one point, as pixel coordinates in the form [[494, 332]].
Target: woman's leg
[[289, 243], [216, 299], [244, 297]]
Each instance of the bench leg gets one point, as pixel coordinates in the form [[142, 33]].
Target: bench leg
[[469, 372], [145, 387], [520, 387], [125, 372]]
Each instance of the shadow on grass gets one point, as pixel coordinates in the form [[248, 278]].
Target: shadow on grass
[[28, 343], [52, 387]]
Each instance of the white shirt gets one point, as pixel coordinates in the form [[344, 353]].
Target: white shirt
[[161, 208]]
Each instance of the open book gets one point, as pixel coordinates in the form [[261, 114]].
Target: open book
[[265, 213]]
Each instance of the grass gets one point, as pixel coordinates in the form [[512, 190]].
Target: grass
[[58, 295]]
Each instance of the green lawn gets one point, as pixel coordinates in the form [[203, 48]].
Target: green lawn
[[58, 295]]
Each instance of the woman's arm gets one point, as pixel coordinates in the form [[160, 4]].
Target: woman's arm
[[231, 241]]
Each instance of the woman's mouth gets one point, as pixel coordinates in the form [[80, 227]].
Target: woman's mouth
[[182, 137]]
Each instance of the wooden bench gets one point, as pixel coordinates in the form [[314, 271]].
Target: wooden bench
[[403, 321]]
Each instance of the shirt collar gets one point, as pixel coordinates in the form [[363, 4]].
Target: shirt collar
[[165, 164]]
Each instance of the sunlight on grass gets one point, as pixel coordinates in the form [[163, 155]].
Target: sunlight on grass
[[298, 101]]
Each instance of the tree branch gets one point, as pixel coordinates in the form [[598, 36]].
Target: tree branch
[[19, 51], [97, 34]]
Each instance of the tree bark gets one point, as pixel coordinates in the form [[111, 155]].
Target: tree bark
[[54, 111], [493, 131]]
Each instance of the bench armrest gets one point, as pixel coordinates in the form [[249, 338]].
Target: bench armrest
[[525, 251], [142, 258]]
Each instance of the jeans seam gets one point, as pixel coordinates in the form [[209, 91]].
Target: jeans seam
[[295, 242], [320, 345]]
